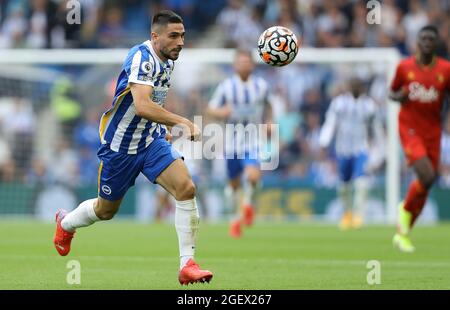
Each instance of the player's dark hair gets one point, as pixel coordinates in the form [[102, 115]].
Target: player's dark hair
[[165, 17], [430, 28]]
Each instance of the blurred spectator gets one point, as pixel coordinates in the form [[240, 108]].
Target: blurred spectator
[[331, 26], [314, 102], [136, 18], [312, 131], [229, 19], [87, 142], [13, 27], [249, 28], [41, 22], [289, 19], [65, 105], [384, 40], [289, 123], [390, 16], [68, 35], [444, 180], [120, 23], [38, 173], [86, 132], [63, 167], [184, 8], [6, 163], [86, 33], [18, 128], [304, 77], [111, 31], [87, 166], [360, 35], [415, 19], [309, 13]]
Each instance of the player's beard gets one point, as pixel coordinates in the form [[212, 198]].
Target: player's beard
[[167, 55]]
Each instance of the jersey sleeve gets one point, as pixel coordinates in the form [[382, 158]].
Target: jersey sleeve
[[371, 107], [141, 68], [218, 99], [328, 128], [398, 80], [375, 121]]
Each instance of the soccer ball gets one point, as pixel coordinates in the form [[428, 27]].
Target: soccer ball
[[277, 46]]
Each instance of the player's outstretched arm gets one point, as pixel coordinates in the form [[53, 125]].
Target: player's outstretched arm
[[399, 90], [221, 113], [329, 127], [218, 108], [399, 95], [151, 111]]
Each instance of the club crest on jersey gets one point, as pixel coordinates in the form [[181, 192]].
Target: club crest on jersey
[[420, 93], [106, 190]]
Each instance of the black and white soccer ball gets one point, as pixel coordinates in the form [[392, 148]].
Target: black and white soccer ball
[[278, 46]]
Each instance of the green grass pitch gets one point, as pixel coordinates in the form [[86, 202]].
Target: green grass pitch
[[128, 255]]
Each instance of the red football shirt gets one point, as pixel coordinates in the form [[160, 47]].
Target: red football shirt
[[426, 87]]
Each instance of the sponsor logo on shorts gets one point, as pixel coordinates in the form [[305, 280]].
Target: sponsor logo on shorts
[[106, 190]]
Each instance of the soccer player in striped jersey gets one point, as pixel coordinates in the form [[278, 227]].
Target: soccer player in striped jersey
[[350, 118], [241, 99], [132, 134]]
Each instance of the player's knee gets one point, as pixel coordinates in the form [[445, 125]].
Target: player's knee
[[253, 177], [428, 179], [235, 183], [185, 191]]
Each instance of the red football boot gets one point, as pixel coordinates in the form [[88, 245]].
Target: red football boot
[[235, 229], [249, 215], [191, 273], [62, 238]]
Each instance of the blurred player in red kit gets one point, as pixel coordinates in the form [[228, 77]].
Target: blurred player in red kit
[[420, 84]]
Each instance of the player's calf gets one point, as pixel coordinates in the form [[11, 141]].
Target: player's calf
[[253, 175], [105, 209], [105, 215]]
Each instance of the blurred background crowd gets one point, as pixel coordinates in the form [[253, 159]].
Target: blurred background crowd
[[49, 120], [221, 23]]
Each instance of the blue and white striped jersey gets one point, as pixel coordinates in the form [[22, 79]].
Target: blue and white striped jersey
[[350, 119], [247, 100], [120, 127]]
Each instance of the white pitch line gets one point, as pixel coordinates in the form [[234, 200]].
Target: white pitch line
[[320, 262]]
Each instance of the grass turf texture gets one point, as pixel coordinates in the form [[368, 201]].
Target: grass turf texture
[[127, 255]]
